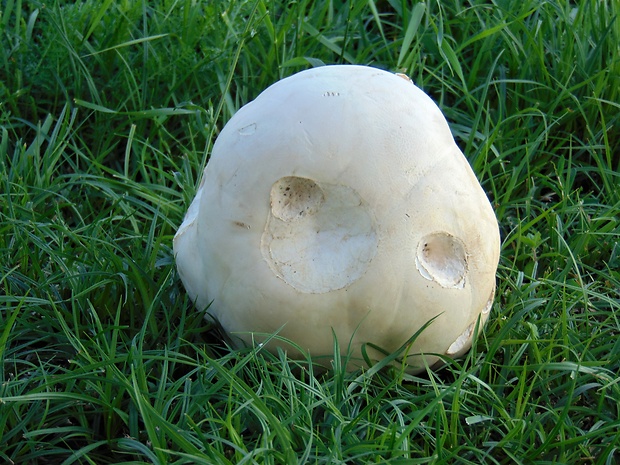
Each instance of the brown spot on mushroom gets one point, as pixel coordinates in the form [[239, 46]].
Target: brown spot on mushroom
[[293, 197], [241, 224]]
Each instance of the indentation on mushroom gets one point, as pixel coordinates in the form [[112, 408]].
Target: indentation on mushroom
[[318, 237], [461, 342], [248, 130], [293, 197], [441, 258], [489, 304]]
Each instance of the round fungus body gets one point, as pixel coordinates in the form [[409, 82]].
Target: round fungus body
[[337, 204]]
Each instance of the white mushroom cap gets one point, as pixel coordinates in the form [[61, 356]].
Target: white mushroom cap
[[338, 199]]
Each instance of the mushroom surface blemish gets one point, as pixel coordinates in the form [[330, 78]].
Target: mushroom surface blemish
[[318, 238], [441, 257]]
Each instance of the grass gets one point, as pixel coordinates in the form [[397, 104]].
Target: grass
[[108, 111]]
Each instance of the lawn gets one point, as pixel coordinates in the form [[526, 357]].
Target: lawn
[[108, 113]]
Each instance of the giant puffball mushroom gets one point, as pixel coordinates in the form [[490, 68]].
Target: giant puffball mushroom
[[337, 203]]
